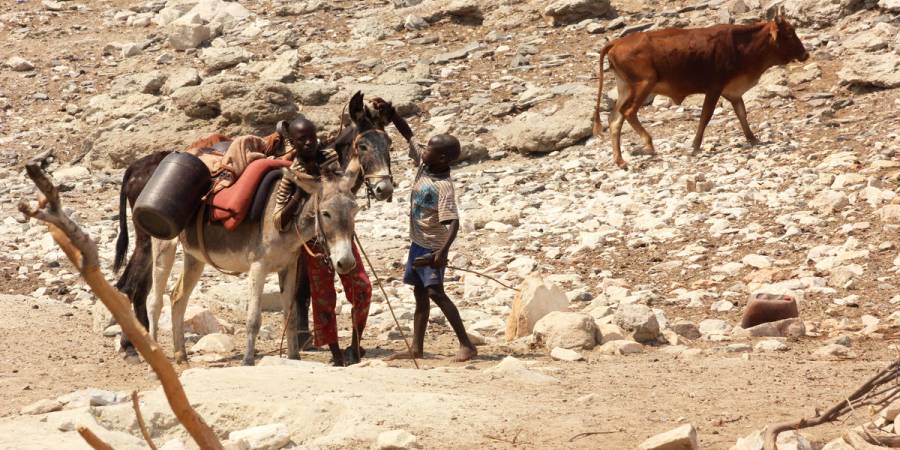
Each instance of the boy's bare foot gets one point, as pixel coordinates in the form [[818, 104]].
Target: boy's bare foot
[[465, 353], [403, 355]]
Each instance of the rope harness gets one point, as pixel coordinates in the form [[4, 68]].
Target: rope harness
[[368, 178]]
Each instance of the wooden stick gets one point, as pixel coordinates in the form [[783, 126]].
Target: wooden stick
[[95, 442], [82, 251], [135, 402]]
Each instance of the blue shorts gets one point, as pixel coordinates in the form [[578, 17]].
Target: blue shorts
[[423, 276]]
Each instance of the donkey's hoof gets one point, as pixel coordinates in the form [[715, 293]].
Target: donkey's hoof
[[248, 361], [351, 357]]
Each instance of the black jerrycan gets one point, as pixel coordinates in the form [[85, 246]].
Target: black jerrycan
[[172, 195]]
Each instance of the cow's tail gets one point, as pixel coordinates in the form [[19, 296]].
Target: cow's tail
[[122, 240], [598, 128]]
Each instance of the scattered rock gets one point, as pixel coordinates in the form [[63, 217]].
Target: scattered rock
[[515, 369], [266, 437], [42, 407], [283, 68], [686, 328], [188, 32], [681, 438], [621, 347], [771, 345], [609, 332], [548, 129], [535, 299], [180, 78], [880, 71], [639, 320], [19, 64], [396, 440], [714, 327], [214, 343], [220, 58], [200, 320], [564, 12], [829, 201], [564, 354], [832, 351], [569, 330]]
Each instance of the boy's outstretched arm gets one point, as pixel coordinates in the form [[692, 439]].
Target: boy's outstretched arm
[[439, 259], [414, 152]]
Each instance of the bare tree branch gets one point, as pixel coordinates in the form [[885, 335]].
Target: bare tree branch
[[82, 251], [95, 442], [135, 402], [861, 396]]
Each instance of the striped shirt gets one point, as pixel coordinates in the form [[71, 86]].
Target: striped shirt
[[432, 201]]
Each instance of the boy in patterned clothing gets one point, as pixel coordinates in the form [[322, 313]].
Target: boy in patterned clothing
[[433, 224]]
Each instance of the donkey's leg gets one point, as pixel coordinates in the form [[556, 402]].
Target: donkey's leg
[[257, 279], [163, 259], [288, 288], [193, 269], [302, 303]]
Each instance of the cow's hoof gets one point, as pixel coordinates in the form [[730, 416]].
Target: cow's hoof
[[180, 358], [622, 165]]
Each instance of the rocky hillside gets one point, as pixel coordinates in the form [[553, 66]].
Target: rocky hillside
[[679, 241]]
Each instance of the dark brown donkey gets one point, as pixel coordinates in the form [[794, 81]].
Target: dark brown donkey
[[721, 60]]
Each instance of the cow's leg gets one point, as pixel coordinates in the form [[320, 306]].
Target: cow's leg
[[741, 111], [193, 269], [641, 90], [616, 120], [256, 279], [709, 105], [288, 289], [163, 258]]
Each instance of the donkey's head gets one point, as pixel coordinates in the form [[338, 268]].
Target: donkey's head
[[373, 145], [331, 211]]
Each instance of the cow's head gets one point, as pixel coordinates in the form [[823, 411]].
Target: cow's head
[[787, 45]]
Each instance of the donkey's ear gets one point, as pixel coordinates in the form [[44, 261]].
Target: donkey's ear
[[358, 109], [308, 183], [281, 127], [352, 172]]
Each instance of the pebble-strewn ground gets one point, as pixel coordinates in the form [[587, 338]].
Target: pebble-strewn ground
[[811, 212]]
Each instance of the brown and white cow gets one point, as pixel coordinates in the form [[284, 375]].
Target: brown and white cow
[[721, 60]]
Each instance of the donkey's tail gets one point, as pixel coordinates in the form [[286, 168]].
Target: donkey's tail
[[596, 121], [122, 240]]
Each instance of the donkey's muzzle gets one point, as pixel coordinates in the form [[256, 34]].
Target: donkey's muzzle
[[383, 190]]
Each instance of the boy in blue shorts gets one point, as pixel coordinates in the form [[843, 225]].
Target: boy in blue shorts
[[433, 224]]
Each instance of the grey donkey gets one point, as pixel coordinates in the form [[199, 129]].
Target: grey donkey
[[258, 249]]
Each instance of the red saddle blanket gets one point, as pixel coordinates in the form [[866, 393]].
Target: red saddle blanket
[[231, 205]]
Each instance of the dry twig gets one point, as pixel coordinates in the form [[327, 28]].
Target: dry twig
[[862, 396], [82, 251], [135, 402]]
